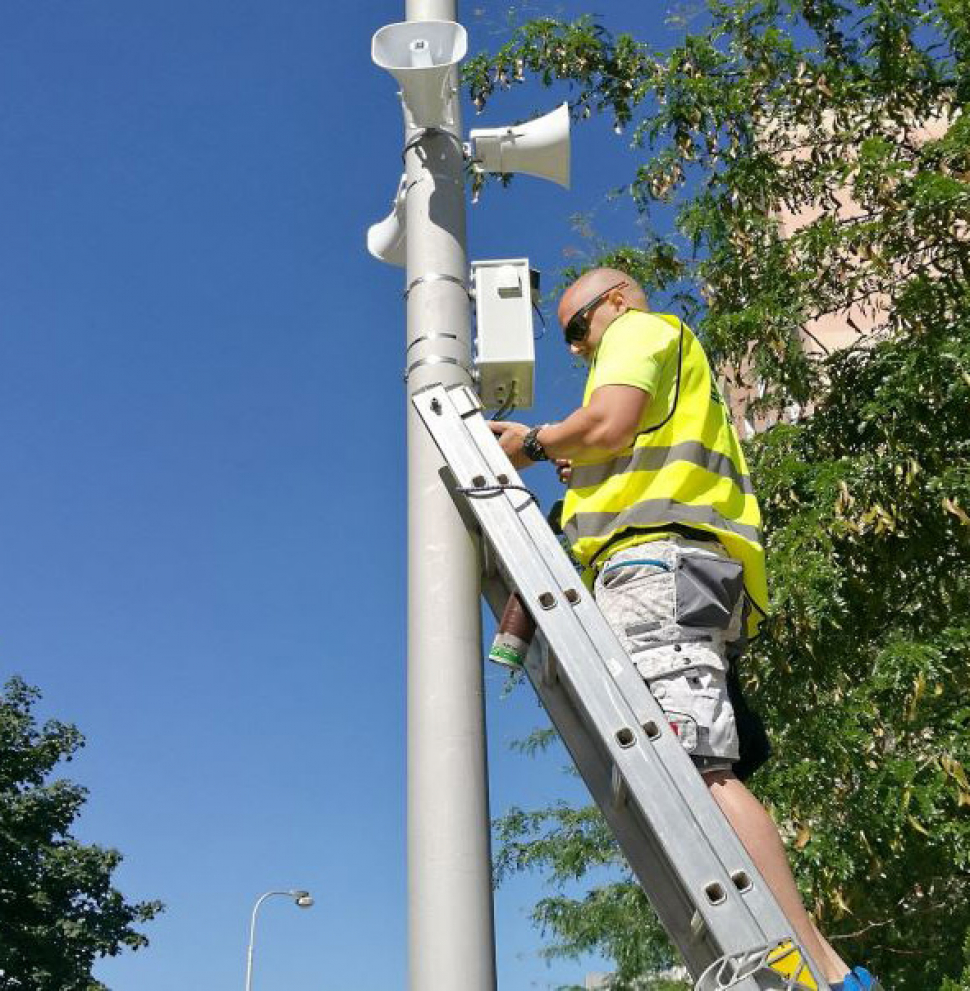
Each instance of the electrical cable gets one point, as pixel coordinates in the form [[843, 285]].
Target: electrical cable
[[673, 407], [486, 491], [542, 320], [509, 405], [503, 411]]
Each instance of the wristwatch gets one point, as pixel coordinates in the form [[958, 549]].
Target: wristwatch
[[534, 451]]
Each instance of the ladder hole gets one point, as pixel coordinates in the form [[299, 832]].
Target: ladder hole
[[502, 479], [572, 595], [651, 729], [478, 481], [742, 881], [626, 737], [547, 600], [715, 893]]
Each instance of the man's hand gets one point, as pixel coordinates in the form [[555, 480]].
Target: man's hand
[[510, 437]]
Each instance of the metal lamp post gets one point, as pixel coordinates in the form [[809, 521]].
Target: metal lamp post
[[301, 899], [451, 929], [450, 938], [450, 914]]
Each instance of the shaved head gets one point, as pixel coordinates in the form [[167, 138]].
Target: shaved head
[[592, 283]]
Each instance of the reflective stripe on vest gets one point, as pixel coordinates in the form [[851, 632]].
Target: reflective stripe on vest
[[649, 512], [654, 458]]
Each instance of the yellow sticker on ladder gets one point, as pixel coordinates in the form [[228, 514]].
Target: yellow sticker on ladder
[[786, 959]]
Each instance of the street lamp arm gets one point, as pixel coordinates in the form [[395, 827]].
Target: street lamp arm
[[300, 897]]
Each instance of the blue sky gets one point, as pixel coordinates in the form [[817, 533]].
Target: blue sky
[[202, 441]]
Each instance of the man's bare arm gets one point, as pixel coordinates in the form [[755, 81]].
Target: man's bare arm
[[607, 424]]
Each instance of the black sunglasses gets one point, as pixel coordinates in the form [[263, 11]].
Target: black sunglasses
[[577, 328]]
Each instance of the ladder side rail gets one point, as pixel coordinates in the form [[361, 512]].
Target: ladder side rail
[[646, 845], [594, 693], [680, 770], [766, 914]]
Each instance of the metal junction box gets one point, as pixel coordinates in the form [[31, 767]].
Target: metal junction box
[[504, 342]]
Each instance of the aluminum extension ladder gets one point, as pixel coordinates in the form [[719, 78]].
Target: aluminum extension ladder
[[698, 877]]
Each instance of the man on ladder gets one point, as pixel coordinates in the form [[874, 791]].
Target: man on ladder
[[661, 513]]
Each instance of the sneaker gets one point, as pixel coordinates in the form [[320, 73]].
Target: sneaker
[[858, 980]]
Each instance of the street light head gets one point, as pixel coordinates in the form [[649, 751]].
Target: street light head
[[304, 901]]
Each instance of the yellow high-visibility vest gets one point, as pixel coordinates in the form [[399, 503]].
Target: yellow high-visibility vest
[[685, 466]]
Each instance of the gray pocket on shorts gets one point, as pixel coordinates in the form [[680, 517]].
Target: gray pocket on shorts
[[707, 590]]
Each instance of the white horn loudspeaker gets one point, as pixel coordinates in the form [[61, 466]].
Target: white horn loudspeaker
[[539, 147], [387, 240], [420, 55]]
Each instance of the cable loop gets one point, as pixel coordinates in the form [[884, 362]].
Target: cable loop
[[486, 491]]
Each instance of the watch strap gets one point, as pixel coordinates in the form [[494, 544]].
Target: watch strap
[[532, 447]]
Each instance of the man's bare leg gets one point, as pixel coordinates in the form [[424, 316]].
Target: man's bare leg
[[759, 836], [832, 958]]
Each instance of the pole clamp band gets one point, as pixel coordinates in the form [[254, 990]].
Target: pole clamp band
[[431, 132], [437, 277], [433, 336], [436, 359]]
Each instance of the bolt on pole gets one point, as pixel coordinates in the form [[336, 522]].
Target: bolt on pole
[[451, 927]]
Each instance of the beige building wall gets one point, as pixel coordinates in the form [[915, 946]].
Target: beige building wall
[[854, 326]]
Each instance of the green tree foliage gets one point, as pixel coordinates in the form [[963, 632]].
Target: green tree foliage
[[963, 983], [58, 910], [778, 108]]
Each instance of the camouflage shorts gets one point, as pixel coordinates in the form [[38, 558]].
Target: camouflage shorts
[[676, 604]]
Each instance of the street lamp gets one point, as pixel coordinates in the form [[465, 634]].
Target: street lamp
[[302, 899]]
